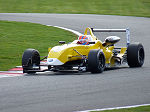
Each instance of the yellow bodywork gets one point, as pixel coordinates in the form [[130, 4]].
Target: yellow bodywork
[[73, 51]]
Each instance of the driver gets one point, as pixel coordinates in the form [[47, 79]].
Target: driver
[[84, 40]]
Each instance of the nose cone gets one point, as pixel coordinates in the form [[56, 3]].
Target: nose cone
[[54, 61]]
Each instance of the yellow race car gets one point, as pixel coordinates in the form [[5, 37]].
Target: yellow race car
[[87, 53]]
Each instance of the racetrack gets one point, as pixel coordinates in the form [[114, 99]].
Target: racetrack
[[68, 92]]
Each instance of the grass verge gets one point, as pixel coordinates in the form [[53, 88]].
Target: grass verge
[[15, 37], [137, 109], [109, 7]]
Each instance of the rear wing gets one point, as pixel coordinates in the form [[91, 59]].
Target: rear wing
[[115, 30]]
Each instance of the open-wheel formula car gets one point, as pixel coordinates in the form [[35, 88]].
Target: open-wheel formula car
[[87, 53]]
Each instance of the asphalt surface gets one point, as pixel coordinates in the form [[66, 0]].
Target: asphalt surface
[[68, 92]]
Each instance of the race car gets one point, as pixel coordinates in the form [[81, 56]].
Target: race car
[[86, 54]]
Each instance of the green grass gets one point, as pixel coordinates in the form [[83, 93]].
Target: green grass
[[111, 7], [137, 109], [15, 37]]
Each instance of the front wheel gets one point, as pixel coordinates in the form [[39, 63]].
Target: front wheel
[[96, 61], [135, 55], [30, 61]]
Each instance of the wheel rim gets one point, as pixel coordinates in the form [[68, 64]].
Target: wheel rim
[[35, 59], [101, 62], [34, 62], [141, 56]]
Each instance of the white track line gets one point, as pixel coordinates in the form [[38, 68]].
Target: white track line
[[73, 31], [9, 75], [133, 106], [3, 76]]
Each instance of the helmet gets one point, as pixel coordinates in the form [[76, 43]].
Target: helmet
[[84, 40]]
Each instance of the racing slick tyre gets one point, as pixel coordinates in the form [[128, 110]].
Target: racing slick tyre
[[30, 61], [135, 55], [96, 61]]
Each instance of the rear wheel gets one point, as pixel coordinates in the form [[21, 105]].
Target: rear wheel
[[30, 61], [135, 55], [96, 61]]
